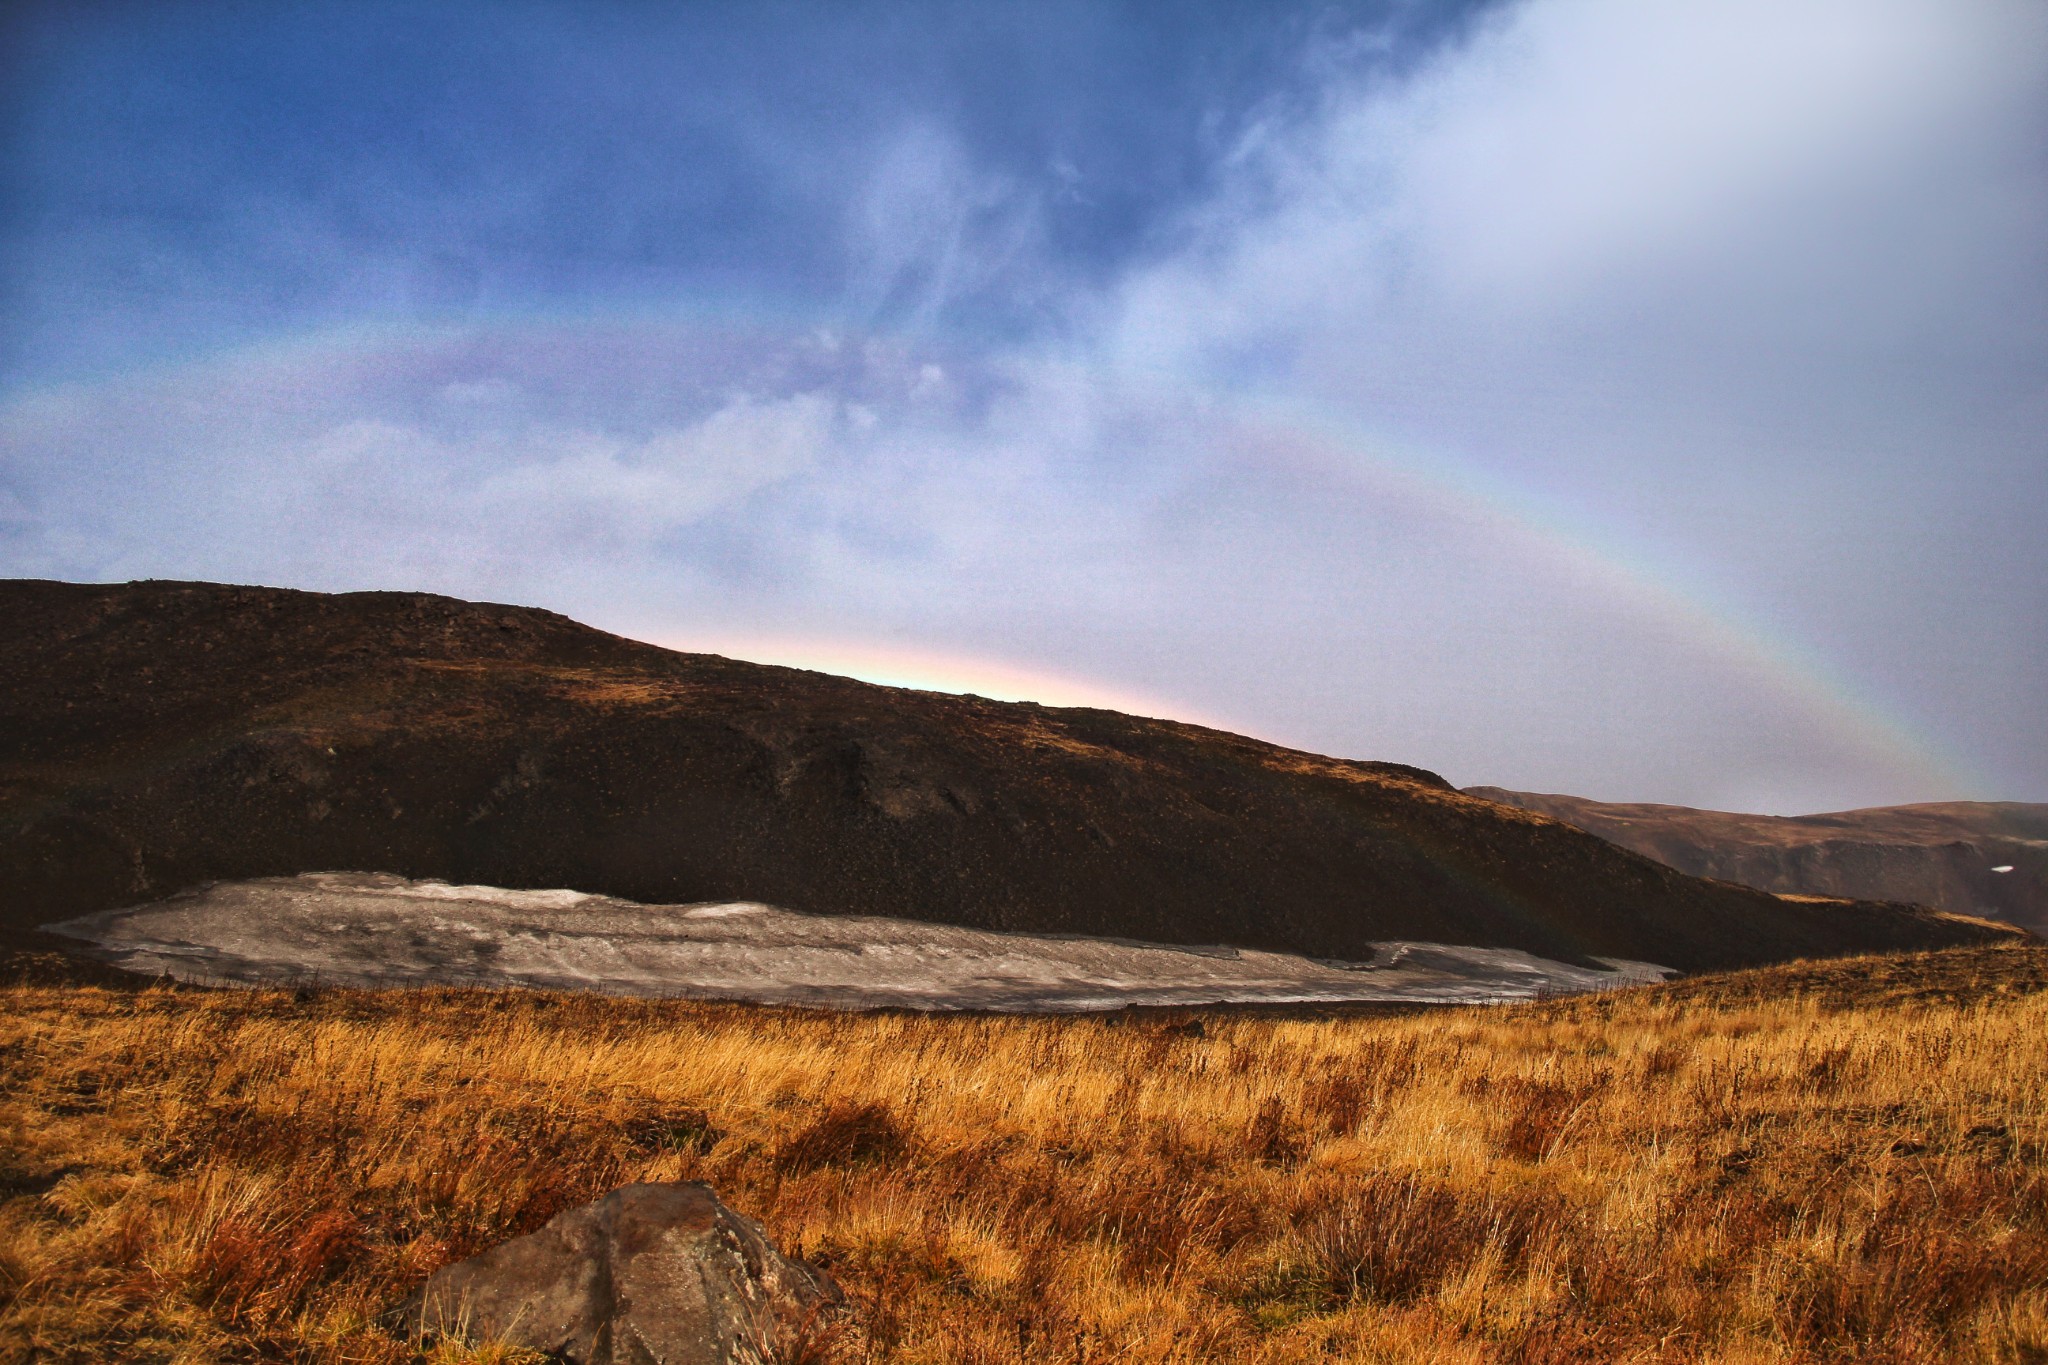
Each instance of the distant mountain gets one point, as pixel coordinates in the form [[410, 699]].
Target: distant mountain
[[1946, 854], [155, 736]]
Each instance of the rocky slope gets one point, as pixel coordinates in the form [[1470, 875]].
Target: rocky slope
[[156, 736], [1947, 854]]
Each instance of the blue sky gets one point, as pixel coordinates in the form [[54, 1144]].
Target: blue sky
[[226, 171], [1639, 399]]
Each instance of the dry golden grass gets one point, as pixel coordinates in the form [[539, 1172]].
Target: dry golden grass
[[1847, 1161]]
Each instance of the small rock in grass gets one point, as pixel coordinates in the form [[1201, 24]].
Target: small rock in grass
[[649, 1273]]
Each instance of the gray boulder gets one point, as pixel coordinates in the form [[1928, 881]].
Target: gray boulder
[[657, 1274]]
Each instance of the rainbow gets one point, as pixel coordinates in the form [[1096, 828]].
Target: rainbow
[[1336, 447]]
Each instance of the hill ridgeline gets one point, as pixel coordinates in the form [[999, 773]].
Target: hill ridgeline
[[157, 736], [1986, 858]]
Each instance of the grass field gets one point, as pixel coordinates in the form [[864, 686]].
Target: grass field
[[1844, 1161]]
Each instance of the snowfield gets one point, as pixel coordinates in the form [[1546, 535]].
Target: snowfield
[[376, 930]]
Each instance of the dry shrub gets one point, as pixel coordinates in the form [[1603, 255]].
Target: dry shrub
[[1567, 1341], [1538, 1112], [1152, 1218], [844, 1135], [251, 1268], [1923, 1262], [1275, 1136], [1340, 1103], [1391, 1238], [1341, 1098], [652, 1129], [1662, 1060], [1824, 1072], [247, 1133]]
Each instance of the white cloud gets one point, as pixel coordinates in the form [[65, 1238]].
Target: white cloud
[[1581, 137], [675, 477], [930, 227], [1593, 152]]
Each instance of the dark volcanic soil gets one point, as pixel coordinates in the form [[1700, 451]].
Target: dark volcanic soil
[[1944, 854], [154, 736]]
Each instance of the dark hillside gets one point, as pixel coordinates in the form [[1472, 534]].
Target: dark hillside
[[1986, 858], [158, 735]]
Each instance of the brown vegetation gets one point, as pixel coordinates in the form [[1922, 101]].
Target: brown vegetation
[[1842, 1161]]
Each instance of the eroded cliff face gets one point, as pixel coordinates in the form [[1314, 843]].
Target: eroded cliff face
[[1948, 855]]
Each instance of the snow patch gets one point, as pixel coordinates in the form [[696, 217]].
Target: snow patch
[[377, 930]]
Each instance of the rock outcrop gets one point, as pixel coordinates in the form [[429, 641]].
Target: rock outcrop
[[1986, 858], [656, 1274]]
